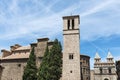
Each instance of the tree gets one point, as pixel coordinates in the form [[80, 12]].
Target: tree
[[51, 66], [44, 66], [30, 71]]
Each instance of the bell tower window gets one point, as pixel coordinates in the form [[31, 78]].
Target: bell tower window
[[68, 24], [73, 24]]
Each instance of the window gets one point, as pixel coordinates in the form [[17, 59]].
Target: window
[[100, 70], [19, 65], [71, 71], [106, 79], [70, 56], [109, 70], [72, 23], [68, 24]]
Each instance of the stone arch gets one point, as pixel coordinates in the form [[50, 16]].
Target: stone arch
[[106, 79]]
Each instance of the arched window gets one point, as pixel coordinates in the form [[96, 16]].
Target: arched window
[[106, 79]]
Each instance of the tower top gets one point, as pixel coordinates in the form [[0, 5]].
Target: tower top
[[97, 56], [71, 22], [109, 55], [72, 16]]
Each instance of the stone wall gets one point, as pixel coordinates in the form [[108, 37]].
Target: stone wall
[[85, 67], [91, 74], [71, 49], [13, 69]]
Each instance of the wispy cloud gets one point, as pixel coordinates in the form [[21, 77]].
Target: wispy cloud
[[101, 20], [30, 19], [98, 7], [27, 24]]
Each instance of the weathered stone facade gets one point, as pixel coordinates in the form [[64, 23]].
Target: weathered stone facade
[[40, 48], [13, 69], [13, 62], [118, 69], [85, 67], [104, 70], [91, 74], [71, 51]]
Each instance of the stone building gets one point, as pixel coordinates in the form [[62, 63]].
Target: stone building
[[118, 69], [75, 66], [71, 51], [104, 70], [91, 74], [85, 67]]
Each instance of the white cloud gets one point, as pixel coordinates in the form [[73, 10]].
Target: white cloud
[[101, 20], [20, 26], [98, 8]]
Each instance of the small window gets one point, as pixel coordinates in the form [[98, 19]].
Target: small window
[[73, 24], [100, 70], [80, 63], [19, 65], [109, 70], [70, 56], [68, 24], [71, 71]]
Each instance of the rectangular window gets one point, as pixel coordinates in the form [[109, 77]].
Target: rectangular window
[[100, 70], [109, 70], [68, 24], [73, 24], [70, 56]]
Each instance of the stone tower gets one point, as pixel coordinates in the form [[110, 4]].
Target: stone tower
[[71, 50]]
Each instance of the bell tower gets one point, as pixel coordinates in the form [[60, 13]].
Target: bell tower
[[71, 49]]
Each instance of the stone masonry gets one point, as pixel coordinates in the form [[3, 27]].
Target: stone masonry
[[71, 51], [13, 61]]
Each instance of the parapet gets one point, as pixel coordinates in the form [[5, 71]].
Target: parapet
[[42, 39], [64, 17], [12, 48]]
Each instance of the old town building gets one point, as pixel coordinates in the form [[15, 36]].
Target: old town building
[[104, 70], [118, 69], [85, 67], [75, 66]]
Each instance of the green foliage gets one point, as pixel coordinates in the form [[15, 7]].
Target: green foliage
[[30, 71], [51, 66]]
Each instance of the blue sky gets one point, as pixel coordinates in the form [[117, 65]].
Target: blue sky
[[23, 21]]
